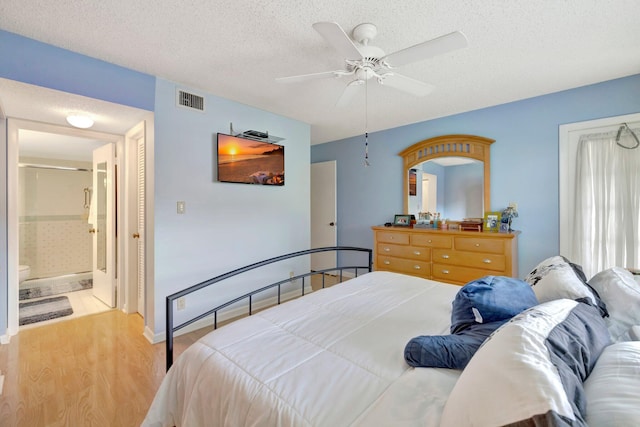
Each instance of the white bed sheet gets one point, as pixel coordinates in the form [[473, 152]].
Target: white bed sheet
[[332, 358]]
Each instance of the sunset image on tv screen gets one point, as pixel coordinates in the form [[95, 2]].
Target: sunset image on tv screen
[[249, 162]]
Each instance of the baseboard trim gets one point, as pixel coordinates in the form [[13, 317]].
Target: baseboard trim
[[5, 339], [224, 316]]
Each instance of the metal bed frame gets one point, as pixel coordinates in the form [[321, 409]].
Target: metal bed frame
[[171, 328]]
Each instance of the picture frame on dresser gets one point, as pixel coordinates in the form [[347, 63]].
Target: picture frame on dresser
[[402, 220], [492, 221]]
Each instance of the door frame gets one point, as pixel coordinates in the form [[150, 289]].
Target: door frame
[[13, 127], [324, 259]]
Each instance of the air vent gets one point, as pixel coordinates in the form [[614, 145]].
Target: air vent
[[190, 100]]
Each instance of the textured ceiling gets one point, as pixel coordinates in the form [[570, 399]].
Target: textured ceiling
[[235, 49]]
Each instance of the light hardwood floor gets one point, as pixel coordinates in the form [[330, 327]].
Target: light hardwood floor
[[96, 370]]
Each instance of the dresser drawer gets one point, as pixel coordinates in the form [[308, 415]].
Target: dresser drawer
[[391, 237], [406, 266], [476, 244], [494, 262], [404, 251], [431, 240], [457, 274]]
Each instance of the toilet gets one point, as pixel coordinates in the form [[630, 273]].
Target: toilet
[[24, 271]]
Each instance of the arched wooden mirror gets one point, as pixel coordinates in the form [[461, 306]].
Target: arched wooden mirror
[[468, 189]]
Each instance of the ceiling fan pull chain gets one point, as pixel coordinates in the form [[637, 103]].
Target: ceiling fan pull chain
[[366, 149], [366, 123]]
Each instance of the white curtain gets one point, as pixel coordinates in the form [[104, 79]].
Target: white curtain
[[607, 211]]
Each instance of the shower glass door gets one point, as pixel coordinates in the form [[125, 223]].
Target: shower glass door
[[102, 220]]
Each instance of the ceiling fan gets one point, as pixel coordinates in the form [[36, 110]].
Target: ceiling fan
[[364, 62]]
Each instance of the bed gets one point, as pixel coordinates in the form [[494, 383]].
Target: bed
[[335, 358]]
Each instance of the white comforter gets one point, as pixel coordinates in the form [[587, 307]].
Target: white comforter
[[331, 358]]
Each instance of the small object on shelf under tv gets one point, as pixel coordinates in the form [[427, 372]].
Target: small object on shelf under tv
[[255, 134], [248, 161]]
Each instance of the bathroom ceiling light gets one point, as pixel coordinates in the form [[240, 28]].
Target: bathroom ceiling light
[[80, 121]]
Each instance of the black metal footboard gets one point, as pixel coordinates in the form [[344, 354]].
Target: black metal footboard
[[171, 328]]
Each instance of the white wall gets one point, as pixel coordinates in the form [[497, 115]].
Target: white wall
[[225, 225]]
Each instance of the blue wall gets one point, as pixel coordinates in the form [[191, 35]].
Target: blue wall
[[37, 63], [524, 162], [225, 225], [40, 64]]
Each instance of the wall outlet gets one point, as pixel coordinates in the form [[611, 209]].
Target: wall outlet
[[181, 303], [180, 207]]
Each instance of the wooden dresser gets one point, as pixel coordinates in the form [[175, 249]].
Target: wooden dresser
[[445, 255]]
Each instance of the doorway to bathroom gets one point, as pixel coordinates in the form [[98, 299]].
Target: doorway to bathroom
[[65, 238], [57, 219]]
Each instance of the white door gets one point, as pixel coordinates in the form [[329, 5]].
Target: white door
[[103, 229], [132, 231], [140, 198], [323, 213]]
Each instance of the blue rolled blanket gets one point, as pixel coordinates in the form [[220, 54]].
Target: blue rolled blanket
[[479, 308]]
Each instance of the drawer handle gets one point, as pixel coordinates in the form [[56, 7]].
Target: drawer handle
[[390, 237], [486, 261], [387, 262], [387, 249], [416, 252], [429, 241], [416, 267], [445, 256], [445, 271], [477, 245]]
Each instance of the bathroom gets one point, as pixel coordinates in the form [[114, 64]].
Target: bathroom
[[55, 242]]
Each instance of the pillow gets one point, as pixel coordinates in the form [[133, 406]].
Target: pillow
[[556, 278], [613, 388], [490, 299], [531, 370], [479, 308], [619, 290]]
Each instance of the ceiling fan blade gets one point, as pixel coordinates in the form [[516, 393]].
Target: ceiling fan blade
[[336, 37], [407, 84], [428, 49], [306, 77], [348, 93]]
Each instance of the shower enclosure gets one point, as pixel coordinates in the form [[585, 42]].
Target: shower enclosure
[[54, 204]]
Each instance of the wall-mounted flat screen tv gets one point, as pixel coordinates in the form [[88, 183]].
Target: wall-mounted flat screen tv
[[248, 161]]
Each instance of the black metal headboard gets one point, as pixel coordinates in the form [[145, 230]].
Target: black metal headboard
[[171, 329]]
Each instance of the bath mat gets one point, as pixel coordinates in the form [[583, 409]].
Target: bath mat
[[44, 309], [46, 290]]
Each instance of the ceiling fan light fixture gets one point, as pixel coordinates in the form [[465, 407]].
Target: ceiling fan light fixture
[[81, 121]]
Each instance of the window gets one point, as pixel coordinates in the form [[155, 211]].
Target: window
[[599, 195]]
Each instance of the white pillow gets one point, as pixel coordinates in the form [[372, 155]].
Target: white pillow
[[518, 374], [613, 388], [557, 278], [621, 293]]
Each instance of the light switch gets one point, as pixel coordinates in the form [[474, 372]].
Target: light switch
[[180, 207]]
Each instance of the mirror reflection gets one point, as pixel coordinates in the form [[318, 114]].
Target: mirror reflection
[[452, 186], [449, 174]]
